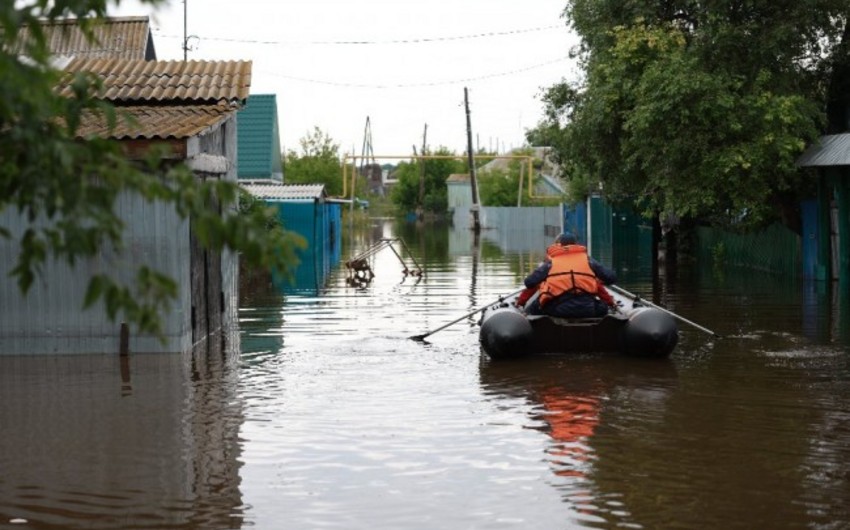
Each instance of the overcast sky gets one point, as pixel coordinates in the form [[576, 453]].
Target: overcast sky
[[401, 63]]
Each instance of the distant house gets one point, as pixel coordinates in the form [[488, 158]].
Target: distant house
[[259, 156], [115, 38], [548, 183], [189, 108], [302, 208]]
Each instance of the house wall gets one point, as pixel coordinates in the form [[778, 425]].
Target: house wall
[[229, 259], [214, 275], [51, 319], [320, 224], [459, 195]]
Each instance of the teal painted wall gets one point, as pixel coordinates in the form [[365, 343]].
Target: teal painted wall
[[320, 225]]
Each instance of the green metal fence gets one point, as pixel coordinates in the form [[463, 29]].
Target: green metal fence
[[621, 239], [775, 250]]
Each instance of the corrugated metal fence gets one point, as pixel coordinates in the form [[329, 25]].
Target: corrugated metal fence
[[775, 250], [519, 229]]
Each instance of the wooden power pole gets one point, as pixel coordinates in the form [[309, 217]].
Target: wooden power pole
[[476, 224], [422, 168]]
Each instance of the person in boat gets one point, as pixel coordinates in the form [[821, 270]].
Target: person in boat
[[569, 283]]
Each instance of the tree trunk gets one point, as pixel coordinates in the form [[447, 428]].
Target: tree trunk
[[838, 94]]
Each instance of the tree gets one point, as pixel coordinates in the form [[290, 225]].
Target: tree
[[67, 187], [318, 162], [405, 193], [695, 109]]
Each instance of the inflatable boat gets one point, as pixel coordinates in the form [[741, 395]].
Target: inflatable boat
[[636, 328]]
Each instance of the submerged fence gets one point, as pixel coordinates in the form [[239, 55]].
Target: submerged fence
[[775, 250], [623, 239]]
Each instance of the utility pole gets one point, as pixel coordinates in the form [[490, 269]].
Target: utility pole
[[422, 167], [367, 160], [476, 224], [185, 36]]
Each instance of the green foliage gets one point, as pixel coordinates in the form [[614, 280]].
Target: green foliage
[[694, 109], [318, 162], [405, 194], [67, 187], [501, 186], [498, 187]]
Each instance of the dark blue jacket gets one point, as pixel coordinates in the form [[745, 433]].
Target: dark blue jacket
[[571, 305]]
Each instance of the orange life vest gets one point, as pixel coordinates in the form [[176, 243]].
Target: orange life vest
[[570, 273]]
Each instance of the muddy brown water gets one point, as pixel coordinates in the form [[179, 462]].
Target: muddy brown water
[[329, 416]]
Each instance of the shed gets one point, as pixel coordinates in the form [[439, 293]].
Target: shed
[[259, 155], [306, 210], [826, 222], [190, 108], [459, 190]]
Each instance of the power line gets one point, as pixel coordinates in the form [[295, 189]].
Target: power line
[[422, 40], [417, 85]]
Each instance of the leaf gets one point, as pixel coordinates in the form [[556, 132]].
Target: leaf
[[94, 291]]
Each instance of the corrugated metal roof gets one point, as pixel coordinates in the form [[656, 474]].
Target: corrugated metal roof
[[134, 81], [830, 150], [155, 122], [259, 138], [285, 192], [119, 37]]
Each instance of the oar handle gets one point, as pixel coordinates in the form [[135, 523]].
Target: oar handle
[[482, 308]]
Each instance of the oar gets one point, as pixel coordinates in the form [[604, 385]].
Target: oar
[[650, 304], [482, 308]]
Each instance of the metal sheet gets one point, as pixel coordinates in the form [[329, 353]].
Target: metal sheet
[[830, 150]]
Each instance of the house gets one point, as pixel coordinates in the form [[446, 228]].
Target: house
[[259, 155], [302, 208], [190, 109], [547, 182]]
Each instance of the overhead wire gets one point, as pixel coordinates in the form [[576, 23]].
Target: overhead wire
[[418, 85], [396, 41], [376, 42]]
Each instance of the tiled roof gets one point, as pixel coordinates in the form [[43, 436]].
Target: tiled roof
[[259, 138], [285, 192], [155, 122], [118, 37], [137, 82]]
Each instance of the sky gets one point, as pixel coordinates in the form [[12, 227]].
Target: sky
[[383, 74]]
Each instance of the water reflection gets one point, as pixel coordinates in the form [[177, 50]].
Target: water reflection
[[572, 402], [94, 442]]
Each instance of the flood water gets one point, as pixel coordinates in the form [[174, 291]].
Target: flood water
[[330, 416]]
